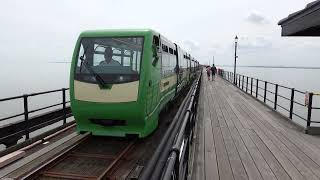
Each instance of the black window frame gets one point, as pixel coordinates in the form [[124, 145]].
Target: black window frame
[[95, 37]]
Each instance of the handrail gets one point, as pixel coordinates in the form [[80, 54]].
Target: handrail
[[157, 162], [177, 162], [32, 94], [261, 85], [27, 112]]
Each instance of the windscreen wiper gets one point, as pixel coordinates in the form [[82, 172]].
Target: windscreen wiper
[[99, 79]]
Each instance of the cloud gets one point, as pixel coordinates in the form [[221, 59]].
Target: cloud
[[191, 46], [253, 44], [256, 18]]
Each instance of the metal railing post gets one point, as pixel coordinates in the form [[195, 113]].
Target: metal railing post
[[309, 109], [239, 80], [265, 92], [251, 85], [291, 103], [242, 82], [64, 105], [232, 78], [257, 88], [26, 115], [236, 82], [236, 75], [247, 84], [276, 97]]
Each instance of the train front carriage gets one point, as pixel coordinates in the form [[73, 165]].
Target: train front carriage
[[120, 80], [107, 82]]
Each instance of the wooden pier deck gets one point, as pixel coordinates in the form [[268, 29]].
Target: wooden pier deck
[[240, 138]]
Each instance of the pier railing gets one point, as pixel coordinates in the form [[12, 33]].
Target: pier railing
[[14, 127], [178, 160], [290, 102], [171, 158]]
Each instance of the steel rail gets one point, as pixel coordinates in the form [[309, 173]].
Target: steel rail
[[103, 175], [57, 157], [116, 161]]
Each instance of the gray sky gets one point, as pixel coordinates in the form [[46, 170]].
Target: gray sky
[[46, 31]]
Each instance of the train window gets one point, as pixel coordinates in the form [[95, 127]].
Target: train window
[[168, 64], [126, 61], [164, 48], [170, 50], [156, 41], [135, 62], [109, 60]]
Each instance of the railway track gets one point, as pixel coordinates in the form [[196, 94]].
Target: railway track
[[91, 158]]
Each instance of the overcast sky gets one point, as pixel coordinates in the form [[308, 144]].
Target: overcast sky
[[46, 31]]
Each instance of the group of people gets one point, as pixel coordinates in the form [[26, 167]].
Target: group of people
[[211, 70]]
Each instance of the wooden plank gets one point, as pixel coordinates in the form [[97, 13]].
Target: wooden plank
[[269, 130], [211, 167], [278, 150], [305, 145], [247, 161], [32, 160], [269, 157], [240, 116], [238, 170], [230, 112], [259, 144], [284, 124], [287, 165], [9, 158], [213, 107], [314, 167], [222, 122], [260, 162], [258, 158], [224, 167], [221, 101]]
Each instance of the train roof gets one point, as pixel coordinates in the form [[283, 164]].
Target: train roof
[[117, 32]]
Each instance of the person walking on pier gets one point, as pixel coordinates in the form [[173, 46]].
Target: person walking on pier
[[213, 71], [208, 69]]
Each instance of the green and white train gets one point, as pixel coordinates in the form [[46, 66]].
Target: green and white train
[[120, 80]]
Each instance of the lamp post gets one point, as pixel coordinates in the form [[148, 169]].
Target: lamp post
[[235, 60]]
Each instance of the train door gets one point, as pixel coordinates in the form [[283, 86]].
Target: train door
[[178, 70], [189, 67], [153, 91]]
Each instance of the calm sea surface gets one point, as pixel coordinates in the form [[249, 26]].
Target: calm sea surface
[[25, 78], [302, 79]]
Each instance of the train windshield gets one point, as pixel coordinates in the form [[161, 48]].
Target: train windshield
[[111, 60]]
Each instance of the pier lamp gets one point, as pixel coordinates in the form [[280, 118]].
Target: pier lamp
[[235, 60]]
